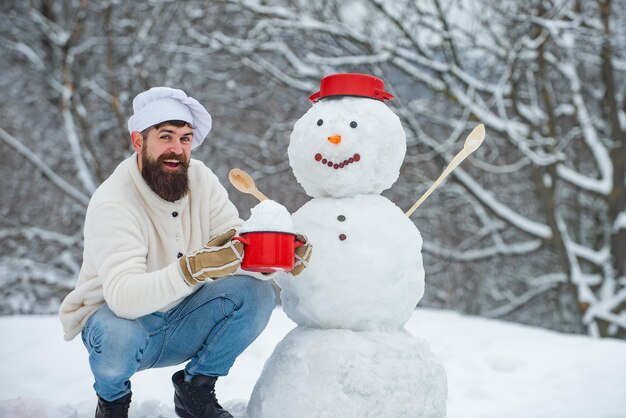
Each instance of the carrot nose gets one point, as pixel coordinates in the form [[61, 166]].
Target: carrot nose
[[335, 139]]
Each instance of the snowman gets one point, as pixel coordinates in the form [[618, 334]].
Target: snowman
[[349, 355]]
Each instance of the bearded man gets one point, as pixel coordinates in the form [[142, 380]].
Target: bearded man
[[157, 236]]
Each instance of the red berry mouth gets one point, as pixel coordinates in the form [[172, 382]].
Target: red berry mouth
[[336, 165]]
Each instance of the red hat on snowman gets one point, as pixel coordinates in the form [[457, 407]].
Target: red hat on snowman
[[351, 84]]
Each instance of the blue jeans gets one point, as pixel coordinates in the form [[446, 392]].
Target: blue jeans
[[210, 327]]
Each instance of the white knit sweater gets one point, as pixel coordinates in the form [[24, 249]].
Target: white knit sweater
[[132, 241]]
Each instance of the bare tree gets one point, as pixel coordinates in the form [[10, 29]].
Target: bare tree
[[69, 71], [539, 211], [532, 228]]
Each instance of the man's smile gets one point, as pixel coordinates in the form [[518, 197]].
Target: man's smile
[[171, 164]]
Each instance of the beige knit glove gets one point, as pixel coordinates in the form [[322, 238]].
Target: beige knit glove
[[303, 255], [219, 257]]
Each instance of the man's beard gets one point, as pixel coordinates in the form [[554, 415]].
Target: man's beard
[[170, 186]]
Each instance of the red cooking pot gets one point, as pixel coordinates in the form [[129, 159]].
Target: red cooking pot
[[268, 251]]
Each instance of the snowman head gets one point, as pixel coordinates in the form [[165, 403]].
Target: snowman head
[[349, 142]]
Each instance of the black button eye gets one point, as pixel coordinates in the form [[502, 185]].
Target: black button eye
[[353, 124], [320, 122]]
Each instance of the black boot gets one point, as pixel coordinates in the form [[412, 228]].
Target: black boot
[[196, 399], [115, 409]]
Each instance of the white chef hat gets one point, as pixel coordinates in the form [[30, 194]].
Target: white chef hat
[[160, 104]]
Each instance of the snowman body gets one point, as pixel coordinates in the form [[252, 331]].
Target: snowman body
[[349, 355], [356, 279]]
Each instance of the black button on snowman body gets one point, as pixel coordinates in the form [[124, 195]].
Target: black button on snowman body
[[341, 218]]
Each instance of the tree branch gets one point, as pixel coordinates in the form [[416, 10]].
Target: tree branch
[[38, 163]]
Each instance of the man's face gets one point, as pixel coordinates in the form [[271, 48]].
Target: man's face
[[163, 159]]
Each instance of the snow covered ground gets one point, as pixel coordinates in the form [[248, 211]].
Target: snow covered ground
[[495, 369]]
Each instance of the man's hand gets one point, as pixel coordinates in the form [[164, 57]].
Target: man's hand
[[303, 255], [219, 257]]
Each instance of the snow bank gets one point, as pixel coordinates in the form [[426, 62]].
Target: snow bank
[[495, 369]]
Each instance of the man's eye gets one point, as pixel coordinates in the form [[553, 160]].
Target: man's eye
[[165, 137], [185, 138]]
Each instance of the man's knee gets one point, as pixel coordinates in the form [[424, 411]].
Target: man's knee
[[105, 331], [251, 293]]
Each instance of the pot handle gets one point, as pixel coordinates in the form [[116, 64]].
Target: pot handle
[[244, 241], [299, 244]]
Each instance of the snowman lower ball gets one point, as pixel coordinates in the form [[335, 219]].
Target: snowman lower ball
[[325, 373], [365, 274]]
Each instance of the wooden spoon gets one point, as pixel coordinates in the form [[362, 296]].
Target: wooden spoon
[[472, 142], [244, 183]]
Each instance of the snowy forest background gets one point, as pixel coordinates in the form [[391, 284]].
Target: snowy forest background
[[531, 228]]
